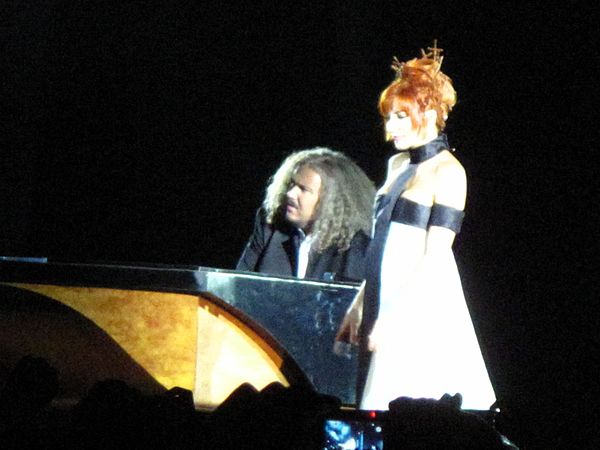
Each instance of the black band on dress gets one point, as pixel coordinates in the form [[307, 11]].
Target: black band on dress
[[415, 214], [446, 216], [410, 213]]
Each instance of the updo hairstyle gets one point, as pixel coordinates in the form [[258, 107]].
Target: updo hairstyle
[[420, 85]]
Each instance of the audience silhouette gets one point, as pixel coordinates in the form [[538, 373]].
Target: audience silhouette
[[114, 415]]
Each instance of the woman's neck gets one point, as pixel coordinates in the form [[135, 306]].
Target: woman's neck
[[427, 133]]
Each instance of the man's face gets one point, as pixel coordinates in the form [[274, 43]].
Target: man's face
[[302, 198]]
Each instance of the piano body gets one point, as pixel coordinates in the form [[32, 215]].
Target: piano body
[[157, 327]]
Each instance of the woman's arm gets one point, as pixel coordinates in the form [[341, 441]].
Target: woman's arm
[[348, 331], [449, 196]]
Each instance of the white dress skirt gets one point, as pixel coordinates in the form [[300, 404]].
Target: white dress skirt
[[426, 344]]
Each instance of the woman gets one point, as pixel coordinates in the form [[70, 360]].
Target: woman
[[414, 322]]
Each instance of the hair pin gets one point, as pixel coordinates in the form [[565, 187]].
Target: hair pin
[[397, 67]]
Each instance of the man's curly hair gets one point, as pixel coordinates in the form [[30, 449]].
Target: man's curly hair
[[345, 199]]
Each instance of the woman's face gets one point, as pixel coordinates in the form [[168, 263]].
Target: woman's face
[[399, 127], [405, 134]]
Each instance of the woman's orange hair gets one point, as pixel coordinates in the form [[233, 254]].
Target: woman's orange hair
[[419, 86]]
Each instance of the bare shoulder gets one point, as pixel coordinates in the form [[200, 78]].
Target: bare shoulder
[[451, 182], [449, 166]]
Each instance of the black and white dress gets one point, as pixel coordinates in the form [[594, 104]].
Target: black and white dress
[[426, 345]]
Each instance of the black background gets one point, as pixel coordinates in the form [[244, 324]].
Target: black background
[[146, 132]]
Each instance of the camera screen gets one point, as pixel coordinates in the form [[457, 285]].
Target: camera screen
[[349, 434]]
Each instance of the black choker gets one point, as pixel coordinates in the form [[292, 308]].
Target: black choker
[[429, 150]]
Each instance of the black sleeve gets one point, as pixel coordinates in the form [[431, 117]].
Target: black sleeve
[[255, 246], [354, 269]]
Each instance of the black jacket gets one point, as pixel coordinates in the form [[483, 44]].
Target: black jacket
[[273, 250]]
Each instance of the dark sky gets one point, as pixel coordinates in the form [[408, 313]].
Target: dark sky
[[146, 132]]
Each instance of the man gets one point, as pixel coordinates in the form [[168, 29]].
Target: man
[[315, 220]]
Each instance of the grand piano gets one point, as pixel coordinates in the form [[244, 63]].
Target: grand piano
[[157, 327]]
